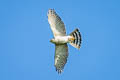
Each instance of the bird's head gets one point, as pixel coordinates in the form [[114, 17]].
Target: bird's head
[[52, 40]]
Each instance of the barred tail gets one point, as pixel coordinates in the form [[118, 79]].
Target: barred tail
[[76, 42]]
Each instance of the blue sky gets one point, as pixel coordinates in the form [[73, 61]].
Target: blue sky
[[27, 54]]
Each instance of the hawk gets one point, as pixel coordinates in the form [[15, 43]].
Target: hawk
[[61, 39]]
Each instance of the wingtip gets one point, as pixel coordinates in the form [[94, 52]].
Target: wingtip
[[50, 11], [59, 71]]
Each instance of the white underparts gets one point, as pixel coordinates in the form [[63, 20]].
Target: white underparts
[[61, 39]]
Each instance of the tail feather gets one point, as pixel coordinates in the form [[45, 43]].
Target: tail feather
[[77, 39]]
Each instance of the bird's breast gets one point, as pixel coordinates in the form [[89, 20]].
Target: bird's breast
[[61, 39]]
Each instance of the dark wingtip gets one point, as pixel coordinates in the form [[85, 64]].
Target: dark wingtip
[[50, 11], [59, 71]]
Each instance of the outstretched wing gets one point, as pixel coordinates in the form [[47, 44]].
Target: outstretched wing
[[56, 23], [61, 55]]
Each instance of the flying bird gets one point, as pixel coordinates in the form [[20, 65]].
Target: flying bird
[[61, 39]]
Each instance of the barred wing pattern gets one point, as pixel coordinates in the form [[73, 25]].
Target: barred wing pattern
[[58, 29], [61, 54], [56, 24]]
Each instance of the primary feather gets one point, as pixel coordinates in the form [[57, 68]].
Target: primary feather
[[61, 39], [56, 24], [58, 29]]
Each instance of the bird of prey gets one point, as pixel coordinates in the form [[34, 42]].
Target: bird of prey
[[61, 39]]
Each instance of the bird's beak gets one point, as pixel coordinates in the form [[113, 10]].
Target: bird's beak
[[51, 40]]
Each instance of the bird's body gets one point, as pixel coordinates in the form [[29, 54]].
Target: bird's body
[[61, 39]]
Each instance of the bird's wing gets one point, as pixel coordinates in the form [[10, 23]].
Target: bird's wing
[[61, 55], [56, 23]]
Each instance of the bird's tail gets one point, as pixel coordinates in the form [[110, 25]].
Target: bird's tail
[[76, 41]]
